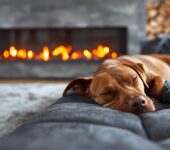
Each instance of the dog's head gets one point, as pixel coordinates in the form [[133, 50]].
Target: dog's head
[[121, 86]]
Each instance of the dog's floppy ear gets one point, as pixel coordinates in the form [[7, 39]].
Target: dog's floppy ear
[[79, 85], [139, 69]]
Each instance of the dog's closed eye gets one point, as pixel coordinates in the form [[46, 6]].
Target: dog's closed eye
[[134, 78], [131, 81]]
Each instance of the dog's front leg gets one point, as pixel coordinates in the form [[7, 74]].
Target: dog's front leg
[[156, 87]]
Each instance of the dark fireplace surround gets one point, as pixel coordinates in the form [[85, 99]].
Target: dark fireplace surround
[[120, 25]]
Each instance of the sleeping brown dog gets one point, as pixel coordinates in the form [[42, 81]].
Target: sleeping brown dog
[[125, 83]]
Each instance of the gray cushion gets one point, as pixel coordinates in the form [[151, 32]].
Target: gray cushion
[[77, 123]]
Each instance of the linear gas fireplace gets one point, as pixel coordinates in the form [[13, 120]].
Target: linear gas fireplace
[[58, 52], [66, 39], [62, 44]]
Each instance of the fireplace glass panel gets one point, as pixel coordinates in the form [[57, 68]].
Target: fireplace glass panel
[[61, 44]]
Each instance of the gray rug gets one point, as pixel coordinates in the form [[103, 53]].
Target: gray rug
[[19, 101]]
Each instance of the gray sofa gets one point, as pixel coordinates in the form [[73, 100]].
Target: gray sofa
[[77, 123]]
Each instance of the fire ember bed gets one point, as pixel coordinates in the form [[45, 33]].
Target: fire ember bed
[[60, 53]]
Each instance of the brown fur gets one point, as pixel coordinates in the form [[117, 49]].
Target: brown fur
[[125, 82]]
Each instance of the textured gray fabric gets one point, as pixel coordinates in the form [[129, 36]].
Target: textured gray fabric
[[75, 136], [77, 123], [166, 92], [90, 113], [157, 124], [165, 143]]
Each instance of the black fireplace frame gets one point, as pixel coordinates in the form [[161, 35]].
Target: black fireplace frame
[[32, 69], [12, 36]]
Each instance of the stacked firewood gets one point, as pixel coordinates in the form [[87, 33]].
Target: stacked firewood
[[158, 18]]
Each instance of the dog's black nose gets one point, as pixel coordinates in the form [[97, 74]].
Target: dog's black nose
[[138, 103]]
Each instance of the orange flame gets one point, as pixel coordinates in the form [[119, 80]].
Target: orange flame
[[65, 56], [61, 52], [22, 54], [13, 51], [87, 54], [114, 55], [74, 55], [30, 54], [6, 54], [45, 53]]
